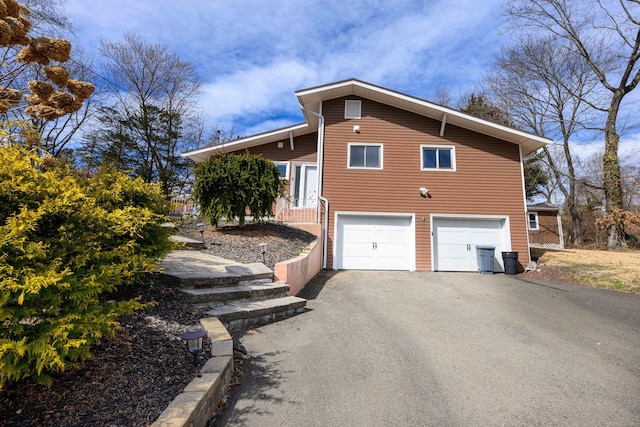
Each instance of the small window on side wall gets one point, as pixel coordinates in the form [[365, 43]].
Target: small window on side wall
[[283, 167], [352, 109], [533, 221], [365, 156], [437, 158]]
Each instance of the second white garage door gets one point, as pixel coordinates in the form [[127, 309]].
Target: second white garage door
[[455, 241], [375, 242]]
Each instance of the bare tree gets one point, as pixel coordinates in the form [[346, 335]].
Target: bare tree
[[548, 91], [605, 34], [154, 116]]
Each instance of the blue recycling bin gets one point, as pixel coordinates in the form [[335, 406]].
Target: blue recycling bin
[[486, 256]]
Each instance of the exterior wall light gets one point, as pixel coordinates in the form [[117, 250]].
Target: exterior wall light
[[424, 192], [193, 338], [263, 251]]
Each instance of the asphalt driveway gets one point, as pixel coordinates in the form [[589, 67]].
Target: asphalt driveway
[[414, 348]]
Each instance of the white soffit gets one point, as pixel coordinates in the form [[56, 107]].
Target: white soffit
[[203, 154]]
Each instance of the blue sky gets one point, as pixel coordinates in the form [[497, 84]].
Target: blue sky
[[252, 55]]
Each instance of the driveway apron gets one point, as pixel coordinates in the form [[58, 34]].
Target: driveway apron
[[421, 348]]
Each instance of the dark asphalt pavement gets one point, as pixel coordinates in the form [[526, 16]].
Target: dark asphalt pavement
[[420, 348]]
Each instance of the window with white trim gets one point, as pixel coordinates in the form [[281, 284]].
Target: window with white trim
[[532, 221], [440, 158], [352, 109], [365, 156], [283, 167]]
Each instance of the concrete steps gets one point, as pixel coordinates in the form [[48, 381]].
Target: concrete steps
[[187, 242], [241, 315], [205, 297], [241, 296]]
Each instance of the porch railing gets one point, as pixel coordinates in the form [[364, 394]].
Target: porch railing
[[296, 210], [183, 206]]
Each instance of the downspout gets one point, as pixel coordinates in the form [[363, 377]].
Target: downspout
[[524, 195], [320, 151]]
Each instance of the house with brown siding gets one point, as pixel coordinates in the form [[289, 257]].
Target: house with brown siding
[[545, 226], [397, 182]]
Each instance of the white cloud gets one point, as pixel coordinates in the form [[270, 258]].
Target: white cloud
[[253, 55], [255, 90]]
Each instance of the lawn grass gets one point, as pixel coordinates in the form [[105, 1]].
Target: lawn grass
[[617, 270]]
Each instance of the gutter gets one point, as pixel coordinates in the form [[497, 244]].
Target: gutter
[[320, 161]]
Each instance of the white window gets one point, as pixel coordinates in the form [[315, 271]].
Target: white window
[[365, 156], [532, 221], [440, 158], [283, 167], [352, 109]]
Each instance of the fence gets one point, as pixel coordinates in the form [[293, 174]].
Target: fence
[[183, 206], [285, 209]]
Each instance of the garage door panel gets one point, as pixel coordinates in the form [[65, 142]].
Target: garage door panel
[[357, 262], [453, 261], [455, 242], [392, 256], [392, 235], [369, 242], [357, 234]]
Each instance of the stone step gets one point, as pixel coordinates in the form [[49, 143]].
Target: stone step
[[203, 297], [242, 315], [187, 241], [226, 275]]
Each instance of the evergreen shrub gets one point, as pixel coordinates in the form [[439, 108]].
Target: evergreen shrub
[[66, 242]]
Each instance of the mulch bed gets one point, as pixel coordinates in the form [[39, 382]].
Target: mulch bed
[[241, 243], [133, 376]]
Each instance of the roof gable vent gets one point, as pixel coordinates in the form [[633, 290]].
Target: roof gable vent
[[352, 109]]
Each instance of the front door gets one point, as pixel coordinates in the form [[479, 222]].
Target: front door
[[305, 185]]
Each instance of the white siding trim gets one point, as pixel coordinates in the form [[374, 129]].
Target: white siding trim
[[524, 195]]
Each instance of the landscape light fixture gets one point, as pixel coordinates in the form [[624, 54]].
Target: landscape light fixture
[[193, 338], [263, 251], [200, 227]]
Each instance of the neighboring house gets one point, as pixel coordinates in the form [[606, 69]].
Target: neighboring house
[[398, 183], [545, 226]]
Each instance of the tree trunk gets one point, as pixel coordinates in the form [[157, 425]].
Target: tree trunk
[[576, 225], [575, 233], [611, 169]]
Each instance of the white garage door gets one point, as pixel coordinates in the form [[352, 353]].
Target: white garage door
[[371, 242], [455, 241]]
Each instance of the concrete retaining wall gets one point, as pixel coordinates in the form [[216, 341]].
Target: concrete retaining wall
[[297, 272]]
